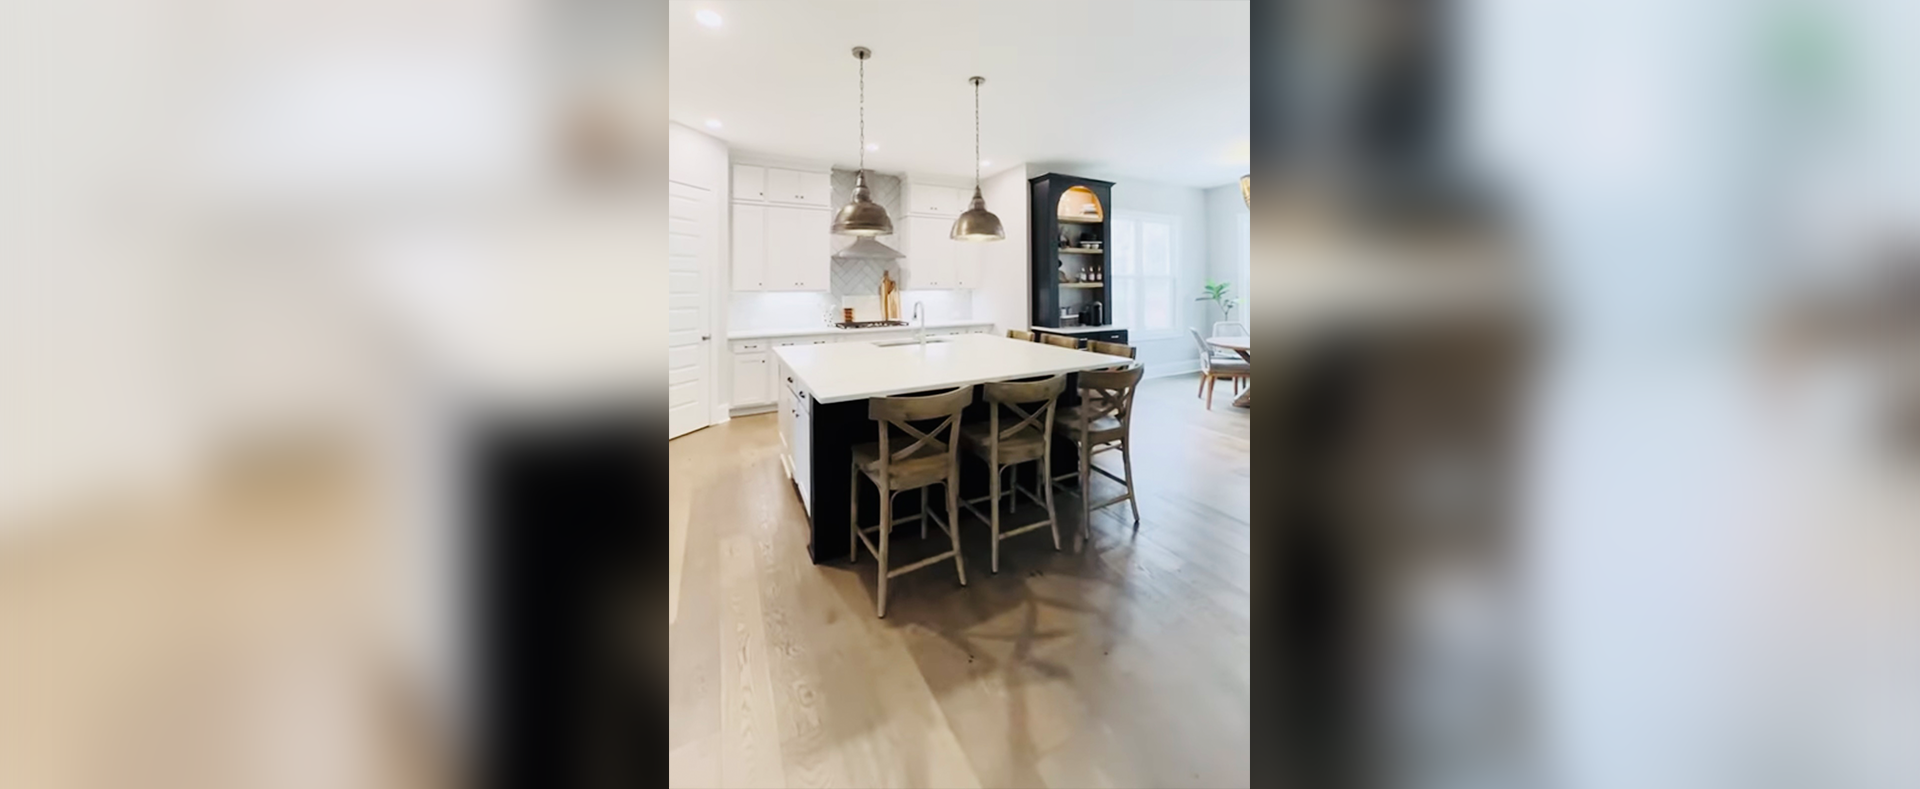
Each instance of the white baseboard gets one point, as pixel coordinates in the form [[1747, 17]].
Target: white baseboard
[[1171, 370], [750, 410]]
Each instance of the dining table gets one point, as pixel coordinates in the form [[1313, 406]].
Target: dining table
[[1238, 344]]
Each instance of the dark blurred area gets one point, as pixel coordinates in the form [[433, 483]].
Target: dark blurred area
[[317, 320], [1593, 460]]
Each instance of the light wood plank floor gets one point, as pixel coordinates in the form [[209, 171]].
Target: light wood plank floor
[[1125, 665]]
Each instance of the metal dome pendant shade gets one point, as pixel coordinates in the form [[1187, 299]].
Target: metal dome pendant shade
[[977, 223], [862, 216]]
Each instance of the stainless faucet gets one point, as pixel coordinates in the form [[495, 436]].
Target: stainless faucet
[[920, 328]]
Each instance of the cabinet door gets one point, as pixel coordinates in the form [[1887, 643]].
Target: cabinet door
[[969, 261], [783, 186], [803, 451], [798, 252], [929, 253], [816, 189], [930, 199], [785, 397], [749, 182], [749, 247], [752, 384]]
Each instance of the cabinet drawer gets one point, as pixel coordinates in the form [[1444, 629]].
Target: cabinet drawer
[[749, 346]]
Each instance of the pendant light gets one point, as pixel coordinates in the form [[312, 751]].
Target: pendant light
[[977, 224], [862, 216], [1245, 197]]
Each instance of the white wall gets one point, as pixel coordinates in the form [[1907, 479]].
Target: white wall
[[1003, 294], [1225, 206]]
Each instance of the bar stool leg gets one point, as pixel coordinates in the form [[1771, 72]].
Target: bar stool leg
[[1086, 500], [953, 523], [853, 515], [993, 499], [1053, 520], [1126, 459], [923, 513], [886, 536], [1013, 499]]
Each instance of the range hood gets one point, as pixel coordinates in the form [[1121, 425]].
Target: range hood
[[868, 249]]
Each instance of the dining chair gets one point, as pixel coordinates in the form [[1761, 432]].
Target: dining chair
[[1020, 334], [931, 457], [1229, 329], [1061, 340], [1213, 368], [1103, 422], [1113, 348], [1028, 440]]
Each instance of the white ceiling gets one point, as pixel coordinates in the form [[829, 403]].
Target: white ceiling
[[1150, 89]]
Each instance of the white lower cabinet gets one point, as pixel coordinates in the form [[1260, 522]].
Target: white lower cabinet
[[752, 374], [752, 383], [796, 436]]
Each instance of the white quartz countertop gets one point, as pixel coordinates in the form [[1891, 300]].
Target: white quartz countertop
[[1077, 329], [845, 371], [827, 328]]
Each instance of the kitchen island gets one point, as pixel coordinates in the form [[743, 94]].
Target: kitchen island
[[823, 391]]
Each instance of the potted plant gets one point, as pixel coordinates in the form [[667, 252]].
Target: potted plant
[[1216, 292]]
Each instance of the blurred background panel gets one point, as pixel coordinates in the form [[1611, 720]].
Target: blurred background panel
[[261, 266]]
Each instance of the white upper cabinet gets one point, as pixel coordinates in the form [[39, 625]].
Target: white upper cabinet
[[798, 187], [749, 183], [798, 255], [780, 247], [930, 253], [936, 200], [749, 246], [781, 238], [757, 184]]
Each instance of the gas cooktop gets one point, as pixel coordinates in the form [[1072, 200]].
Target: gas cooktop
[[867, 324]]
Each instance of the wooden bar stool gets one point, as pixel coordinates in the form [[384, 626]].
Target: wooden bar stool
[[932, 457], [1113, 349], [1006, 447], [1103, 422], [1020, 334], [1060, 339]]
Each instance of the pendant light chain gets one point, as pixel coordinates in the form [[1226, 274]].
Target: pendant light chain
[[976, 135], [863, 114]]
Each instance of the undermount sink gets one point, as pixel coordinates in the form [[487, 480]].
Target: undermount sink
[[930, 341]]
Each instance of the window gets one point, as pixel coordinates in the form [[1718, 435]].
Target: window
[[1145, 286]]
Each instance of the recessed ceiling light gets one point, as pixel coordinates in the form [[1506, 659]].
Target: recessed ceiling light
[[713, 124], [873, 146], [986, 163], [707, 17]]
